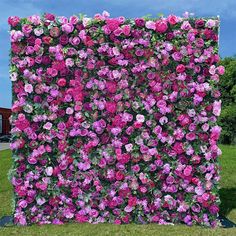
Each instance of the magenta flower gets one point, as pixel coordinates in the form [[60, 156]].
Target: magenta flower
[[161, 26]]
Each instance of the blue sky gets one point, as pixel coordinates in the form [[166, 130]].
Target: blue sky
[[226, 9]]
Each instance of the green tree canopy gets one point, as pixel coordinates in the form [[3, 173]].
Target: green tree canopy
[[227, 87]]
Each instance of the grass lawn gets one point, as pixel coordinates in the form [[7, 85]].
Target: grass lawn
[[228, 208]]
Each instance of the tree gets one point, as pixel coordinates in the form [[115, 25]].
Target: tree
[[227, 86]]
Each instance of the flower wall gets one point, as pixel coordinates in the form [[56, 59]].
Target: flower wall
[[115, 120]]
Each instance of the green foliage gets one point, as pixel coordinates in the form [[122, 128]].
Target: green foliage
[[227, 87], [228, 123]]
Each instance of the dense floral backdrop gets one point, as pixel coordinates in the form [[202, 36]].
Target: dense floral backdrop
[[114, 119]]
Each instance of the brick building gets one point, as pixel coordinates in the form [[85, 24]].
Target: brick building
[[5, 126]]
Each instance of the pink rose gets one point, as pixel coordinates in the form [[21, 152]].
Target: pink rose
[[63, 39], [13, 20], [132, 201], [143, 189], [199, 42], [216, 108], [106, 29], [123, 158], [63, 165], [119, 175], [221, 70], [211, 23], [112, 24], [127, 209], [180, 68], [47, 126], [161, 26], [49, 171], [111, 107], [139, 52], [186, 25], [150, 25], [178, 148], [199, 23], [69, 62], [199, 190], [22, 124], [205, 196], [34, 19], [212, 70], [42, 186], [152, 151], [46, 60], [57, 222], [188, 170], [129, 130], [32, 160], [22, 203], [93, 213], [139, 22], [172, 19], [74, 20], [75, 41], [61, 82], [69, 111], [67, 28], [215, 132], [49, 17], [135, 168], [214, 209], [54, 32], [16, 35], [190, 136], [115, 131], [126, 30], [177, 56], [170, 179], [129, 147], [205, 127], [140, 118], [111, 86], [26, 29], [61, 126], [161, 103], [28, 88], [118, 31], [52, 72], [41, 201], [102, 163], [184, 119], [81, 218]]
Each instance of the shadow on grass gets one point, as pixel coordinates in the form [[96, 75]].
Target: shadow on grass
[[228, 200]]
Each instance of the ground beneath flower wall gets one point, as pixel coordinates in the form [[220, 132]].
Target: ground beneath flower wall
[[228, 208]]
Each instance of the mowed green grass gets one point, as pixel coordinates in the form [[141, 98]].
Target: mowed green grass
[[228, 208]]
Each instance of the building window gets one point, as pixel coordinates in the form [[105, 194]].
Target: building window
[[1, 123]]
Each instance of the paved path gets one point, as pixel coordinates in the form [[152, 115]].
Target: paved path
[[4, 146]]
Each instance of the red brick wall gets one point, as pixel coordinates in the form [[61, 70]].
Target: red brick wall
[[6, 113]]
